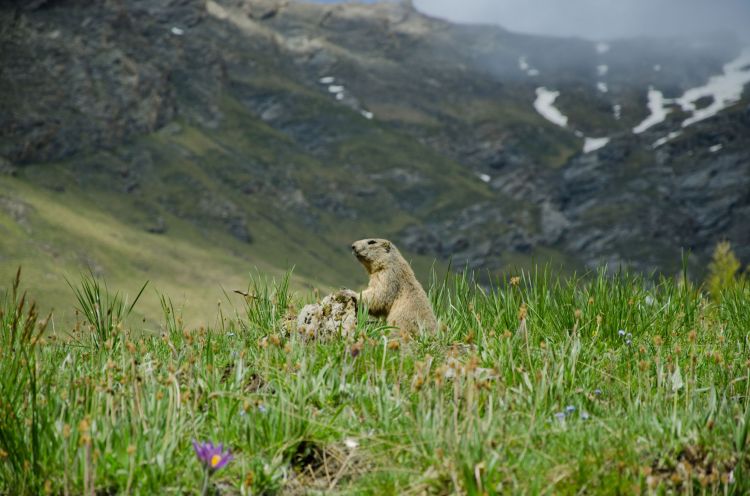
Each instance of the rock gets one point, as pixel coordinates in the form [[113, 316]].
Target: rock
[[159, 226], [7, 168], [554, 223], [334, 317]]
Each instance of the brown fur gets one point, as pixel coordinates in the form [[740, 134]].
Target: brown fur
[[393, 292]]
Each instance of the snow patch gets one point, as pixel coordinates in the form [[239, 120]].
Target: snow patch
[[524, 65], [335, 88], [593, 144], [657, 68], [484, 177], [724, 89], [367, 115], [617, 111], [544, 104], [602, 48], [666, 139], [339, 96], [327, 80], [177, 31], [602, 87], [716, 148], [656, 107], [602, 69]]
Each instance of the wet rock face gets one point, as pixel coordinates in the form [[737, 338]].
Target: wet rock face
[[85, 75], [334, 317]]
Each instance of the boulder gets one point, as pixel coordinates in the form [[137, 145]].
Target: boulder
[[334, 317]]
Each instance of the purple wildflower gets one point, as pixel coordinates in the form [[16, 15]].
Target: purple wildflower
[[569, 409], [585, 415], [621, 332], [560, 416], [212, 457], [598, 392]]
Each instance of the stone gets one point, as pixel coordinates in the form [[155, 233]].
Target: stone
[[334, 317]]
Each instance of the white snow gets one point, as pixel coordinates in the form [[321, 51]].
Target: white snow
[[327, 80], [666, 138], [601, 86], [617, 111], [177, 31], [657, 68], [656, 107], [366, 114], [485, 177], [724, 90], [602, 69], [602, 48], [716, 148], [524, 65], [339, 96], [593, 144], [544, 104], [335, 88]]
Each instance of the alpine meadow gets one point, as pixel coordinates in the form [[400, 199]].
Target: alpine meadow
[[374, 247]]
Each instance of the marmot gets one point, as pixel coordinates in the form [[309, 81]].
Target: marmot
[[393, 291]]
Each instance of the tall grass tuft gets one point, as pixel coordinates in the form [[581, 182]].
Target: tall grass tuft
[[104, 311], [24, 422]]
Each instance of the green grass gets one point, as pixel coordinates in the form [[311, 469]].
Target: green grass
[[528, 387]]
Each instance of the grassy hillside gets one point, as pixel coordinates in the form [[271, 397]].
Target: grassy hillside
[[56, 236], [537, 386]]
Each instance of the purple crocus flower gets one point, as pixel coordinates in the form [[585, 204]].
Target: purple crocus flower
[[212, 457]]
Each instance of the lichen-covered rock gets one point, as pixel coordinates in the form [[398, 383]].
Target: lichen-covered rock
[[335, 316]]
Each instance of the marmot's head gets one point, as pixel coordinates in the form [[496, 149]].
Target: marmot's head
[[374, 253]]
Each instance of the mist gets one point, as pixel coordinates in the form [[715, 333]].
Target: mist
[[600, 19]]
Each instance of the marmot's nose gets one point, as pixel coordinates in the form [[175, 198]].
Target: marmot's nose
[[354, 247]]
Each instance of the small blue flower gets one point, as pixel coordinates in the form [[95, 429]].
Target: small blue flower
[[262, 409], [629, 342], [621, 332], [560, 416], [629, 335], [585, 415], [598, 392], [570, 409]]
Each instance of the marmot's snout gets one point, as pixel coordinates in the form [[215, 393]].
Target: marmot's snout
[[370, 248]]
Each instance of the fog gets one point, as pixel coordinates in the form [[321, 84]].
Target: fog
[[600, 19]]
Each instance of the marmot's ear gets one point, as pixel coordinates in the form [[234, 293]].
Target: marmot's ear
[[387, 246]]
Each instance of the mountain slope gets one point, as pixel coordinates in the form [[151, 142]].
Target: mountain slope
[[270, 134]]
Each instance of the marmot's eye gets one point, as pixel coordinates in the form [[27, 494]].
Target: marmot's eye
[[371, 242]]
